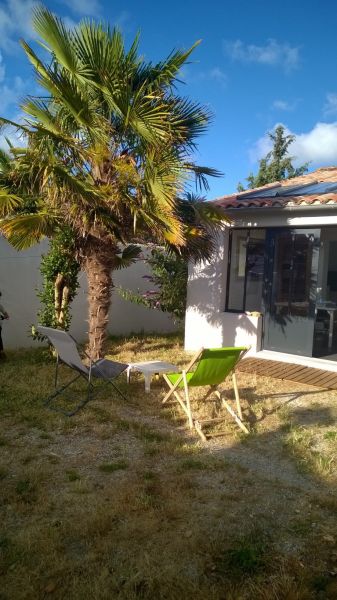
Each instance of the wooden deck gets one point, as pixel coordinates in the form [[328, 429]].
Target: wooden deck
[[289, 372]]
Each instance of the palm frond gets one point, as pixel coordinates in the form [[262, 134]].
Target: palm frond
[[8, 202], [128, 256], [59, 40], [201, 174], [25, 230], [165, 72]]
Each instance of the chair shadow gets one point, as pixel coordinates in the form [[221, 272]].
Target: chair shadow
[[250, 398]]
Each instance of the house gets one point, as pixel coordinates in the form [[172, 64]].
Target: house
[[272, 282]]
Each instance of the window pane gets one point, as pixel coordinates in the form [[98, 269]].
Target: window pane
[[301, 274], [255, 269], [282, 274], [237, 270]]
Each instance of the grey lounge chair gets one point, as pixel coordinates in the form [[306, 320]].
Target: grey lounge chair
[[67, 353]]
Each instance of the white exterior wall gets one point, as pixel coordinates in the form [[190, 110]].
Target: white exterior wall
[[207, 324], [20, 277]]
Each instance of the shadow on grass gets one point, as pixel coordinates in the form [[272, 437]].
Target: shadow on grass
[[135, 507]]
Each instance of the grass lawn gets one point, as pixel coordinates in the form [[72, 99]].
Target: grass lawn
[[122, 501]]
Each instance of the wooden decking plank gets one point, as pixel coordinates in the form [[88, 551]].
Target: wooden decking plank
[[303, 376], [289, 372], [256, 369], [307, 379], [316, 374], [321, 382], [268, 366], [330, 381], [283, 371], [294, 375], [246, 364], [292, 370], [327, 376]]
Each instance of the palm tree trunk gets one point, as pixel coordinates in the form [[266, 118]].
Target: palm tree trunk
[[98, 267]]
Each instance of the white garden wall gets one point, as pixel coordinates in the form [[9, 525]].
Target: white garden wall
[[20, 277]]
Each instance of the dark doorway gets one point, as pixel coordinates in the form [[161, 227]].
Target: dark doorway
[[290, 289]]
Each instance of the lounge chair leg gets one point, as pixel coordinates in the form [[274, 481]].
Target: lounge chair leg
[[237, 397], [188, 405], [60, 390], [186, 408], [232, 412], [171, 386], [200, 431]]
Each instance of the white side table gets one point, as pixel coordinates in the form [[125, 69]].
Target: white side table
[[149, 368]]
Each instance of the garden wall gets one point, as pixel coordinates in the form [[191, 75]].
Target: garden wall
[[20, 277]]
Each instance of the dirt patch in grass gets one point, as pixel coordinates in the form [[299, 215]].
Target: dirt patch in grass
[[122, 501]]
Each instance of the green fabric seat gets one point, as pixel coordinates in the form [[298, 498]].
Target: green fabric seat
[[209, 367], [213, 367]]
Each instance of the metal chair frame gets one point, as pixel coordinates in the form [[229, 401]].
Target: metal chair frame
[[86, 375]]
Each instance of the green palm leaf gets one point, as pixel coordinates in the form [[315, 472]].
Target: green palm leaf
[[25, 230], [9, 203], [128, 256]]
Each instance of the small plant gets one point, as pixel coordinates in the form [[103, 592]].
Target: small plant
[[26, 490], [330, 435], [301, 444], [192, 464], [150, 435], [113, 466], [248, 556], [150, 476], [3, 473], [73, 475]]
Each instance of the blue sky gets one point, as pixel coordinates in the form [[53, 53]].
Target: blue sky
[[260, 63]]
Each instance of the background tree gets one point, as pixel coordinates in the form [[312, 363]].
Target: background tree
[[168, 281], [109, 154], [277, 164]]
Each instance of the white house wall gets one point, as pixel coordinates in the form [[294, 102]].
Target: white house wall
[[20, 277], [207, 325]]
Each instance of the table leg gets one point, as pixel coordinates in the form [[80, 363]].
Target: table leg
[[331, 323], [147, 377]]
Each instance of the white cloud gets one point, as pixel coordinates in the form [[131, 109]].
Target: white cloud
[[318, 146], [189, 75], [12, 134], [10, 93], [90, 8], [13, 138], [15, 21], [2, 69], [283, 105], [273, 53], [330, 106], [218, 75]]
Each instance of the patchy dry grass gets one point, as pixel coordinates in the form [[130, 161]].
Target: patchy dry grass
[[122, 501]]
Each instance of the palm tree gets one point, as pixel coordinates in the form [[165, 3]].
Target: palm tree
[[109, 153]]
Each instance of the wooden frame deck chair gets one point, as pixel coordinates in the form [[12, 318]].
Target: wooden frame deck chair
[[67, 353], [211, 367]]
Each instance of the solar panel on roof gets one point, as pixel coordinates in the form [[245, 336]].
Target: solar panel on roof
[[314, 187], [270, 192], [311, 189]]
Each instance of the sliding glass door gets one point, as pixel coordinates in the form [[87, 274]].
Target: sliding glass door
[[290, 289]]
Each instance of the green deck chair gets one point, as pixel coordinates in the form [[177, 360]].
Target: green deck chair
[[213, 365]]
